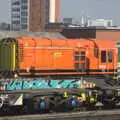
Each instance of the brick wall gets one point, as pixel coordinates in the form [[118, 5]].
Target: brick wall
[[38, 15]]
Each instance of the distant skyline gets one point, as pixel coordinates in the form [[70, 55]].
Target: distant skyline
[[95, 9]]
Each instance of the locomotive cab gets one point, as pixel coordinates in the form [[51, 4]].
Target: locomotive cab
[[107, 61], [104, 60]]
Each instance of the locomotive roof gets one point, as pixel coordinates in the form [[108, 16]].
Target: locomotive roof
[[69, 42]]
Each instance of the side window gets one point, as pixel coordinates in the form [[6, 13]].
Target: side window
[[103, 56], [119, 54], [96, 52], [110, 56]]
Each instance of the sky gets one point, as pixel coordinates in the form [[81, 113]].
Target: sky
[[94, 9]]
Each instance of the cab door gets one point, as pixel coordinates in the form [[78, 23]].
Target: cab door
[[103, 60], [110, 62]]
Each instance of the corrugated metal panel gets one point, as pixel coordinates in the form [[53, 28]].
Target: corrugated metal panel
[[8, 56]]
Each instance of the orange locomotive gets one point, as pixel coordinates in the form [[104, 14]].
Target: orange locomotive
[[57, 57]]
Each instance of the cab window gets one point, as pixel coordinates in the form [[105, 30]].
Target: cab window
[[118, 54], [110, 56], [103, 56]]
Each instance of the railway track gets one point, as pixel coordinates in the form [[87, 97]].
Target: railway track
[[90, 115]]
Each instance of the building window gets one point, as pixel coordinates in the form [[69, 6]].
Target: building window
[[16, 3], [24, 1], [24, 20], [15, 16], [25, 13], [24, 7], [103, 56], [110, 56], [16, 22], [24, 27], [15, 9]]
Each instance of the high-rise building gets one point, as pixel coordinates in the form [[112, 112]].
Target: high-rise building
[[33, 15]]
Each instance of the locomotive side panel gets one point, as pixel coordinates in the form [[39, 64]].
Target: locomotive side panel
[[63, 59], [53, 61], [41, 56]]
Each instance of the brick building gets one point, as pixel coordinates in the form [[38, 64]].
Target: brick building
[[92, 33]]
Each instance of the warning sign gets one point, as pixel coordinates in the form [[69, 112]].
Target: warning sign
[[57, 54]]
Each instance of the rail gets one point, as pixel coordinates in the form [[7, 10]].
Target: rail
[[90, 115]]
